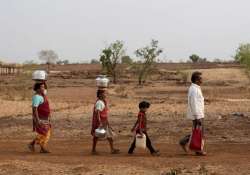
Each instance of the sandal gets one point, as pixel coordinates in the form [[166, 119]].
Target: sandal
[[184, 147]]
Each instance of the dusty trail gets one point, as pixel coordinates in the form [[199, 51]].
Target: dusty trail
[[73, 157], [227, 124]]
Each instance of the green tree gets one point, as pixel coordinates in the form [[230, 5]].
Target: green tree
[[127, 60], [148, 55], [62, 62], [111, 57], [194, 58], [243, 54], [94, 61]]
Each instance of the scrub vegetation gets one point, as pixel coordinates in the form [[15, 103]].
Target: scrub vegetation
[[72, 93]]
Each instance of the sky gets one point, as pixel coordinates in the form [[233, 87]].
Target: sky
[[78, 30]]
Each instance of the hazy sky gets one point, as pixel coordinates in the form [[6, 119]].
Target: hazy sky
[[78, 29]]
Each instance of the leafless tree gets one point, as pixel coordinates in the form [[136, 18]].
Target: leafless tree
[[49, 56]]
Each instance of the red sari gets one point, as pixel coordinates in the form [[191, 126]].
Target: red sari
[[43, 115], [103, 117]]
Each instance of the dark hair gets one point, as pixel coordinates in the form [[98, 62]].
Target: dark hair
[[99, 93], [37, 86], [144, 104], [45, 85], [196, 76]]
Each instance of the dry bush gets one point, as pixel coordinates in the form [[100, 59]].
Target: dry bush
[[121, 91], [247, 73], [16, 93], [184, 76], [224, 74], [17, 87]]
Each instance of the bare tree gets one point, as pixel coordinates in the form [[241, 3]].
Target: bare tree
[[148, 55], [49, 56], [111, 57]]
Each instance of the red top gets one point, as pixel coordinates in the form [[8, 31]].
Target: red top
[[104, 112], [141, 122], [43, 113], [103, 117], [44, 109]]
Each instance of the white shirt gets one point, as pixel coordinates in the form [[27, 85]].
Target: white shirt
[[99, 106], [195, 102]]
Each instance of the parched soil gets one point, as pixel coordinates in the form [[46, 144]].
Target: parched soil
[[228, 146], [227, 127], [73, 157]]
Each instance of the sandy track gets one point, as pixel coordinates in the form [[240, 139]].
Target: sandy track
[[73, 157]]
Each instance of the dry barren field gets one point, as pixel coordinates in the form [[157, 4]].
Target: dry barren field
[[227, 94]]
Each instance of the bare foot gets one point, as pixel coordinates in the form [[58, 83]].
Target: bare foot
[[31, 147], [184, 148], [44, 151]]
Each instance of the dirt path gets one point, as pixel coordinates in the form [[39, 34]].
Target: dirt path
[[226, 126], [73, 157]]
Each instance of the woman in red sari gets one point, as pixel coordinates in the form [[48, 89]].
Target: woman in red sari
[[41, 118], [100, 120]]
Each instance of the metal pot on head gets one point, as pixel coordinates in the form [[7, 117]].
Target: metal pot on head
[[102, 81], [39, 76]]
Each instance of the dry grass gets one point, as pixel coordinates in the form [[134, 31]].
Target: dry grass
[[166, 99], [232, 74], [72, 102]]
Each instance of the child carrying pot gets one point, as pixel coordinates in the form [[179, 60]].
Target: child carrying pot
[[140, 128]]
